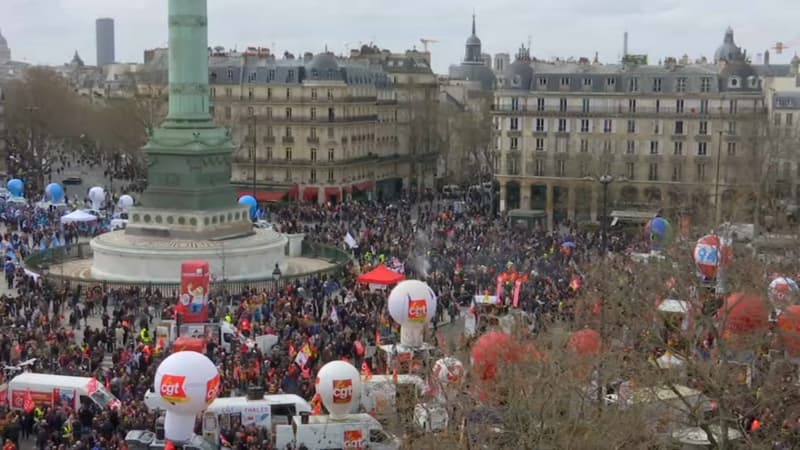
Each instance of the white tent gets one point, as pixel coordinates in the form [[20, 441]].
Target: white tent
[[78, 216]]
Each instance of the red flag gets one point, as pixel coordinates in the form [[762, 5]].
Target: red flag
[[27, 402], [395, 376], [91, 388], [316, 404], [499, 291], [517, 289], [108, 383], [292, 350], [377, 338], [366, 372]]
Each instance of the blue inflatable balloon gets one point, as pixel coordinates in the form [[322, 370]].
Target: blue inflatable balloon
[[54, 193], [252, 203], [16, 187]]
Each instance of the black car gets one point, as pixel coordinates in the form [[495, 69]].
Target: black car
[[72, 180]]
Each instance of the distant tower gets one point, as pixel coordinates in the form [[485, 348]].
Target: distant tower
[[473, 47], [766, 58], [5, 52], [104, 30], [625, 45], [501, 61]]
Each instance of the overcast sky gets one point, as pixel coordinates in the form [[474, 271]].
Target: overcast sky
[[49, 31]]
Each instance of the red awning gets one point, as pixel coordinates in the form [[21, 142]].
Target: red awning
[[310, 194], [381, 275], [365, 185], [266, 196], [332, 191], [293, 192]]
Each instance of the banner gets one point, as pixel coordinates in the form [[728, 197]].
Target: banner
[[193, 301], [499, 292], [517, 288], [350, 241]]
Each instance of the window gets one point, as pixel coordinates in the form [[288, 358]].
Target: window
[[539, 168], [269, 153], [585, 105], [269, 113], [562, 105], [212, 92], [656, 84], [514, 104], [540, 104], [607, 125], [677, 172], [270, 132], [288, 153], [607, 147], [611, 82], [330, 94], [564, 81], [251, 111], [731, 148], [227, 112], [702, 148], [288, 113], [587, 82], [313, 94], [705, 84], [212, 110], [271, 75], [251, 77], [584, 125], [777, 119], [732, 128], [656, 127], [290, 76], [542, 82], [631, 126], [331, 154], [703, 106], [288, 132], [230, 74], [313, 133], [583, 168], [330, 133], [632, 105], [680, 85], [584, 146], [330, 175], [679, 106], [514, 124], [561, 168], [539, 144], [703, 130], [701, 171], [539, 124], [633, 84], [733, 82], [630, 171], [313, 154], [789, 119], [653, 147], [630, 148], [288, 94], [652, 172], [733, 107], [677, 148], [228, 92], [562, 125], [269, 93], [678, 127], [313, 176], [514, 143], [288, 175], [658, 106]]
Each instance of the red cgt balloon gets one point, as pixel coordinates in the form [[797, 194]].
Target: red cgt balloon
[[744, 313], [585, 342], [789, 329]]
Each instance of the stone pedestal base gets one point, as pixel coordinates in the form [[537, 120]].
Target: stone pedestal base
[[295, 244], [124, 257]]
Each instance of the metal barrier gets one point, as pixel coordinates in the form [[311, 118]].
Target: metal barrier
[[41, 262]]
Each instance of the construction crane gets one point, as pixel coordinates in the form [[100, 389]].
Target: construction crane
[[780, 46], [426, 41]]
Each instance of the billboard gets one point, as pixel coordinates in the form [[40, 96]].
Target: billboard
[[193, 301]]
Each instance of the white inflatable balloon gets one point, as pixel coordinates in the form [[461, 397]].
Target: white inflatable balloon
[[412, 302], [187, 383], [97, 196], [449, 370], [339, 387], [126, 201]]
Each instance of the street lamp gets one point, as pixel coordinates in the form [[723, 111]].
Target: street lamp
[[255, 144], [605, 180], [276, 273], [716, 182]]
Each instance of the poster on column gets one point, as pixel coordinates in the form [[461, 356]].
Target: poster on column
[[193, 301]]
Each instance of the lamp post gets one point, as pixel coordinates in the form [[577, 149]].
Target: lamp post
[[276, 273], [605, 180], [254, 143], [716, 182]]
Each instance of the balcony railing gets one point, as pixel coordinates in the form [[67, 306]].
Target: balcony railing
[[624, 110], [296, 119]]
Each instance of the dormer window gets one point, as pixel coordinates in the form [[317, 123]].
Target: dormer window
[[752, 82], [230, 74], [314, 73], [516, 80], [734, 82], [331, 73]]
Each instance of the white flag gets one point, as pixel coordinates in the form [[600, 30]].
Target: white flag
[[334, 314], [350, 241]]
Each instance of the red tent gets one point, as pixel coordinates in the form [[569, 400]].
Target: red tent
[[381, 275]]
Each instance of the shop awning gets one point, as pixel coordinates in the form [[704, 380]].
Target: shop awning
[[332, 191], [294, 192], [266, 196], [310, 194], [365, 185]]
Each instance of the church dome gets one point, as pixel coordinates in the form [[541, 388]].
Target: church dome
[[728, 51], [473, 40], [323, 62]]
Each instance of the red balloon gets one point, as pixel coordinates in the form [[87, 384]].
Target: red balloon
[[744, 313], [491, 350], [585, 342], [789, 329]]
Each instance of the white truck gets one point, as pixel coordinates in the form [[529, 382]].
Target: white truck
[[48, 389], [228, 413], [223, 333], [355, 431]]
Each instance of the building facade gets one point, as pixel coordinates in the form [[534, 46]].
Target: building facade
[[104, 34], [3, 134], [318, 128], [674, 137]]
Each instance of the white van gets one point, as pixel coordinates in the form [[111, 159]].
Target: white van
[[322, 432], [57, 389], [225, 413]]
